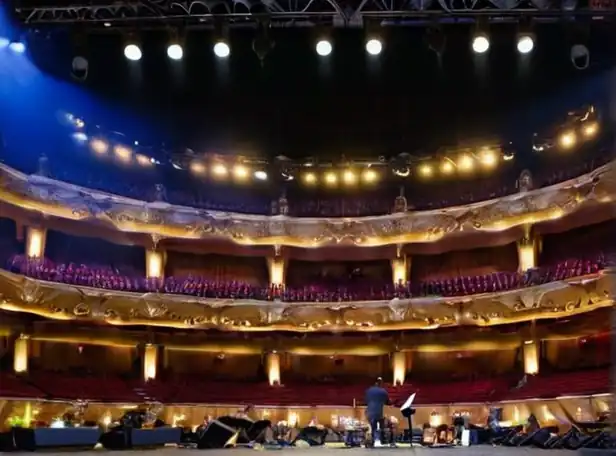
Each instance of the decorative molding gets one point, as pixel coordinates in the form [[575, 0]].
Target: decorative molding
[[161, 220], [68, 302]]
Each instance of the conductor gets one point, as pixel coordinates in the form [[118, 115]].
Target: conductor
[[376, 399]]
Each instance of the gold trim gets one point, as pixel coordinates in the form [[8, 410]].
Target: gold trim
[[67, 302]]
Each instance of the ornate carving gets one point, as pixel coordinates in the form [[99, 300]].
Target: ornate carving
[[57, 199], [60, 301]]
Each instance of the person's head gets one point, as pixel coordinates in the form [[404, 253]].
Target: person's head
[[379, 381]]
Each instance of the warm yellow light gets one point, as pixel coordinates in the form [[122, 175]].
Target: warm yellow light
[[123, 153], [219, 170], [197, 167], [465, 163], [425, 170], [370, 175], [349, 177], [240, 172], [488, 158], [568, 139], [310, 178], [590, 129], [331, 178], [143, 160], [447, 167], [99, 146]]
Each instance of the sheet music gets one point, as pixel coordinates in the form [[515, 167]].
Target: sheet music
[[408, 402]]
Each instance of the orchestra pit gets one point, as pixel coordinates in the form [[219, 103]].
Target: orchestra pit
[[307, 226]]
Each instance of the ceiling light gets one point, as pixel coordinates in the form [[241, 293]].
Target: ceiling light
[[481, 44], [374, 46], [324, 48], [133, 52], [175, 52], [222, 50], [261, 175], [525, 44]]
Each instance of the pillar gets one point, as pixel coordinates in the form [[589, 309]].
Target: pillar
[[155, 261], [150, 362], [35, 242], [399, 364], [528, 250], [612, 276], [21, 354], [400, 269], [276, 266], [272, 366], [530, 354]]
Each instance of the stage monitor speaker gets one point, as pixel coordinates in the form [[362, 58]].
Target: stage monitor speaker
[[217, 435], [156, 437], [313, 435], [49, 438]]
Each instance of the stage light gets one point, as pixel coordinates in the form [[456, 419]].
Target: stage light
[[99, 146], [374, 46], [481, 44], [324, 48], [310, 178], [488, 158], [17, 47], [219, 170], [132, 52], [526, 44], [567, 140], [465, 163], [123, 153], [4, 42], [260, 175], [80, 137], [175, 52], [197, 167], [349, 177], [369, 176], [447, 167], [222, 50], [144, 160], [240, 172], [425, 170], [331, 178], [590, 129]]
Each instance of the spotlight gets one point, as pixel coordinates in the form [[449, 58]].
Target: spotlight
[[425, 170], [324, 48], [310, 178], [568, 140], [4, 42], [133, 52], [481, 43], [447, 167], [197, 167], [590, 129], [261, 175], [526, 44], [219, 170], [374, 46], [175, 52], [349, 177], [488, 158], [580, 57], [240, 172], [369, 175], [17, 47], [79, 68], [465, 163], [99, 146], [222, 50], [331, 178]]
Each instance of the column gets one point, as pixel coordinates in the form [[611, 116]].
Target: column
[[612, 276], [277, 267], [528, 250], [155, 261], [400, 365], [400, 269], [530, 356], [150, 362], [272, 366], [21, 354], [35, 242]]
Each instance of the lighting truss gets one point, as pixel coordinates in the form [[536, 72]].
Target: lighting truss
[[291, 13]]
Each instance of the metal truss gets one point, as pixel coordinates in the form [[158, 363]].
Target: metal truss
[[297, 13]]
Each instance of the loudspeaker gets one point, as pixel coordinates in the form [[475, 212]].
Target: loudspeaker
[[217, 435], [313, 435], [47, 438], [128, 438]]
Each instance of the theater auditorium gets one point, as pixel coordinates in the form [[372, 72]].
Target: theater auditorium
[[307, 227]]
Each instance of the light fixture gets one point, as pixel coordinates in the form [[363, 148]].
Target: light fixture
[[99, 146], [374, 46], [4, 42], [488, 158], [222, 49], [526, 44], [310, 178], [175, 51], [568, 139], [590, 129], [481, 43], [425, 170], [324, 48], [17, 47], [260, 175], [369, 176], [123, 153], [465, 163], [331, 178], [197, 167], [240, 172], [132, 52], [447, 167], [219, 170], [349, 177]]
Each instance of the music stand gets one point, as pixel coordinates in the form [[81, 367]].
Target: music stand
[[408, 412]]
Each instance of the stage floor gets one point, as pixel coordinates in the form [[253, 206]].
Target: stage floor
[[479, 450]]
